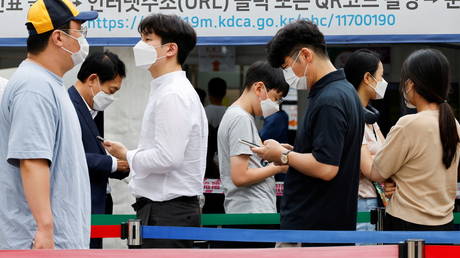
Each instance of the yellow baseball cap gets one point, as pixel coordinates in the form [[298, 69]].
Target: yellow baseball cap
[[47, 15]]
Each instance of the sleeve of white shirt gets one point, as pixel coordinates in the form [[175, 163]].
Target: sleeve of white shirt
[[171, 129], [114, 164]]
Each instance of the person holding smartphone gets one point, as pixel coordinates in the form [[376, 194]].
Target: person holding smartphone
[[321, 186], [169, 164], [249, 186], [99, 78]]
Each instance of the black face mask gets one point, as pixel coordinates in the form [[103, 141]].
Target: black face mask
[[371, 115]]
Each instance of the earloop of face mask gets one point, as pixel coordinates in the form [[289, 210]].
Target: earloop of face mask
[[146, 55], [380, 87], [406, 100], [101, 100], [79, 56], [294, 81], [268, 106]]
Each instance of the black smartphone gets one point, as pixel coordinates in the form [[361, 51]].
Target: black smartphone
[[248, 143], [100, 138]]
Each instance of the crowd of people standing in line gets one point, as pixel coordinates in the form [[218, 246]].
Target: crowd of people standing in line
[[56, 165]]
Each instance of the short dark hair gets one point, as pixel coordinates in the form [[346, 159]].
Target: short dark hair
[[273, 78], [429, 70], [292, 38], [217, 87], [171, 29], [106, 65], [362, 61], [37, 43]]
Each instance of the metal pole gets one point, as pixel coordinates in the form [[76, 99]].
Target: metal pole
[[134, 233], [380, 216], [415, 248]]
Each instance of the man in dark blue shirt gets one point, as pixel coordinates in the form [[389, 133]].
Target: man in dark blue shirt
[[321, 185], [276, 127]]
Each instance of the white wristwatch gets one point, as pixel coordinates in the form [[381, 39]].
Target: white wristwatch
[[284, 157]]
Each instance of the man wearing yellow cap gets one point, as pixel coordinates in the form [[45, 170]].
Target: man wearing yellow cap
[[44, 186]]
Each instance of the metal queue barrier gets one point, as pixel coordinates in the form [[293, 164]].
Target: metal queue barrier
[[128, 227]]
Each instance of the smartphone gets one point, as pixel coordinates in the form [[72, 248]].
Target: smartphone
[[100, 138], [248, 143]]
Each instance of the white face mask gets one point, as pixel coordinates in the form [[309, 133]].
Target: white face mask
[[79, 56], [293, 80], [268, 106], [101, 100], [380, 88], [145, 55], [406, 101]]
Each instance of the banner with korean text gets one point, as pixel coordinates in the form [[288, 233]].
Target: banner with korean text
[[245, 22]]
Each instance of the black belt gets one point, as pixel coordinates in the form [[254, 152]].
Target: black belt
[[142, 201]]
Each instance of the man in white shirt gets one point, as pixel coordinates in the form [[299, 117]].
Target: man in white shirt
[[168, 166]]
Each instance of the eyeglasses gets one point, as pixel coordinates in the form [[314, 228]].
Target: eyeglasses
[[279, 101], [293, 62], [83, 31]]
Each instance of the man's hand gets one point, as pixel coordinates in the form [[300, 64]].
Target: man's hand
[[390, 187], [271, 151], [44, 239], [287, 146], [283, 169], [122, 166], [116, 149]]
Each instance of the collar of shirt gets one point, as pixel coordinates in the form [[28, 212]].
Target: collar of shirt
[[327, 79], [29, 62], [91, 111], [166, 79]]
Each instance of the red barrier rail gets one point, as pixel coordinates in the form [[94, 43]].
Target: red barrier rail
[[442, 251], [110, 231]]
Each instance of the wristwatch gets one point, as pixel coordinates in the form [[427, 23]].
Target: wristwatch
[[284, 157]]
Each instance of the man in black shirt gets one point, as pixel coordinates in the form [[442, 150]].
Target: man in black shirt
[[321, 186]]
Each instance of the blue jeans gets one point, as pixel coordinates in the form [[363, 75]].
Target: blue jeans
[[366, 205]]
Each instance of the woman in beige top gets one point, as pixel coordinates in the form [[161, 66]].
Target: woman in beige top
[[364, 71], [420, 153]]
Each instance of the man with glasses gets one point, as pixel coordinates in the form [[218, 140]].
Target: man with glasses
[[248, 182], [45, 192], [321, 186]]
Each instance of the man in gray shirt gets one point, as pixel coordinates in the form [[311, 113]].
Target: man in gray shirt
[[44, 186], [248, 183]]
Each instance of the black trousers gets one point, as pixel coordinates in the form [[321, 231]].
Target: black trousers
[[96, 243], [182, 212], [391, 223]]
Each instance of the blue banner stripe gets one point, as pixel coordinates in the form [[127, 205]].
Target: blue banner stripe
[[304, 236], [255, 40]]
